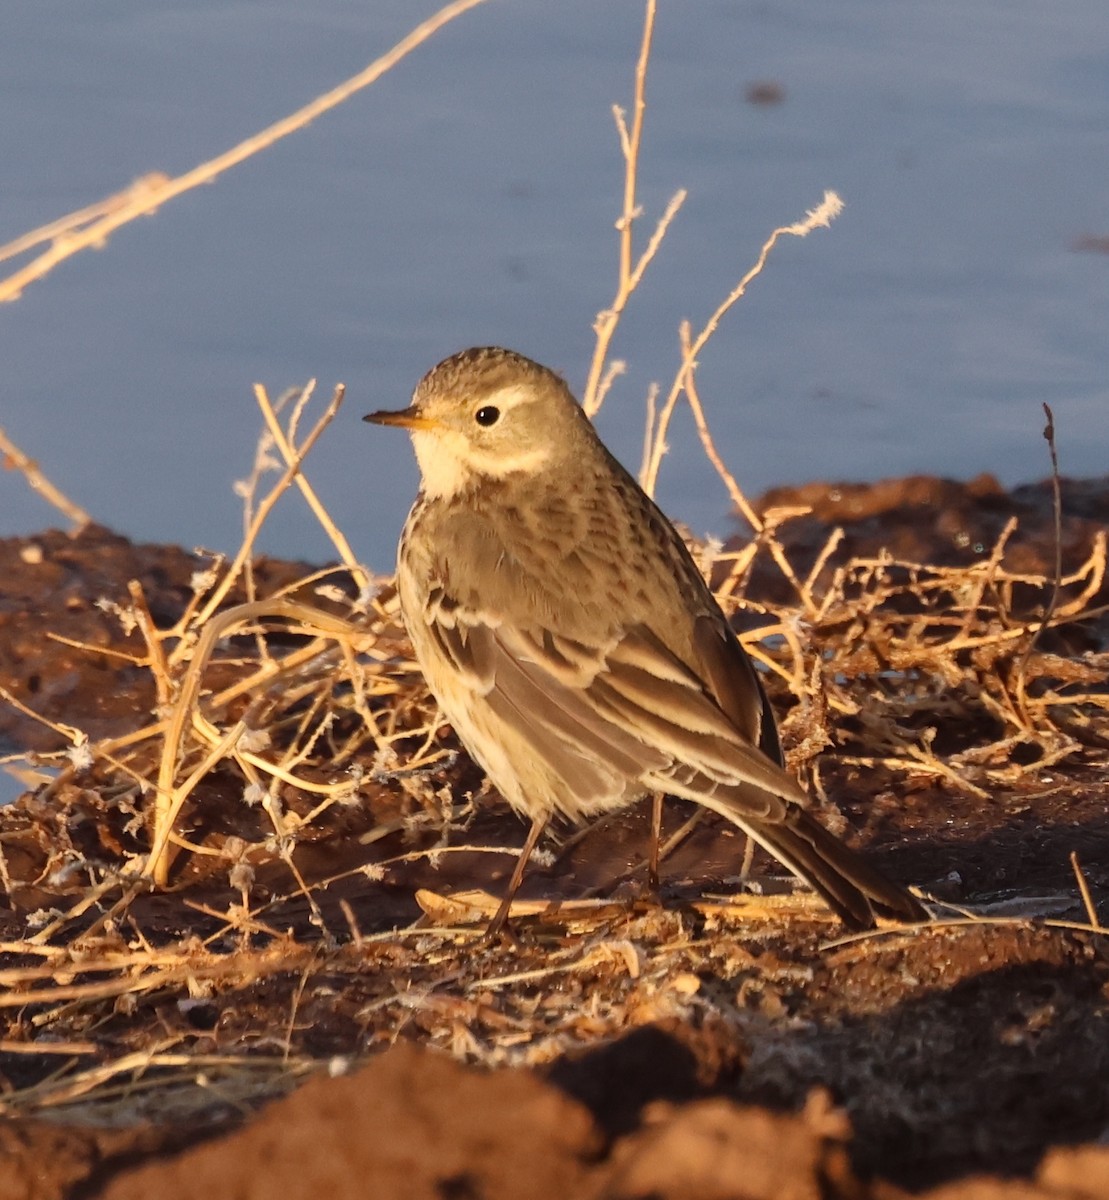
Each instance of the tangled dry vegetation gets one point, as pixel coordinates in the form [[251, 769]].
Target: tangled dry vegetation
[[222, 896], [291, 723]]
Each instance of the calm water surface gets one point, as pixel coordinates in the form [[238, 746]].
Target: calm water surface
[[469, 197]]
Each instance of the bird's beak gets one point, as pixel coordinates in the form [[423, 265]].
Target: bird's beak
[[405, 418]]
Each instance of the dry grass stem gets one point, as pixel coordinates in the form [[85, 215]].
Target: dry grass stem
[[293, 458], [628, 276], [1084, 892], [734, 491], [15, 459], [821, 216], [1053, 600], [292, 470], [91, 227]]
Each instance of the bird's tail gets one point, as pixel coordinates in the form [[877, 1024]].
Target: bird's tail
[[851, 886]]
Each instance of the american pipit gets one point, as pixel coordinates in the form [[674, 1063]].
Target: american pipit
[[570, 639]]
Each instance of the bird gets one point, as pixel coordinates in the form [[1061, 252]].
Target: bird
[[570, 639]]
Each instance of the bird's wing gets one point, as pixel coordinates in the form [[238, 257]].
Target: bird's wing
[[612, 718], [735, 684], [644, 686], [531, 687], [628, 704]]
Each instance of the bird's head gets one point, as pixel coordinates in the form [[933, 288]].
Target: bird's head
[[489, 414]]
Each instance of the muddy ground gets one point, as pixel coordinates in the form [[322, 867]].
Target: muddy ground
[[324, 1027]]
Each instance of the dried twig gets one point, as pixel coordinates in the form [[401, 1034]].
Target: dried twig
[[15, 459], [629, 275], [817, 218], [1053, 599], [91, 227], [1084, 892]]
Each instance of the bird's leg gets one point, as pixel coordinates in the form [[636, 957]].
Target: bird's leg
[[500, 920], [656, 842], [748, 858]]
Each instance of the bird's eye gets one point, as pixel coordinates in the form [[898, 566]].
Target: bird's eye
[[487, 415]]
